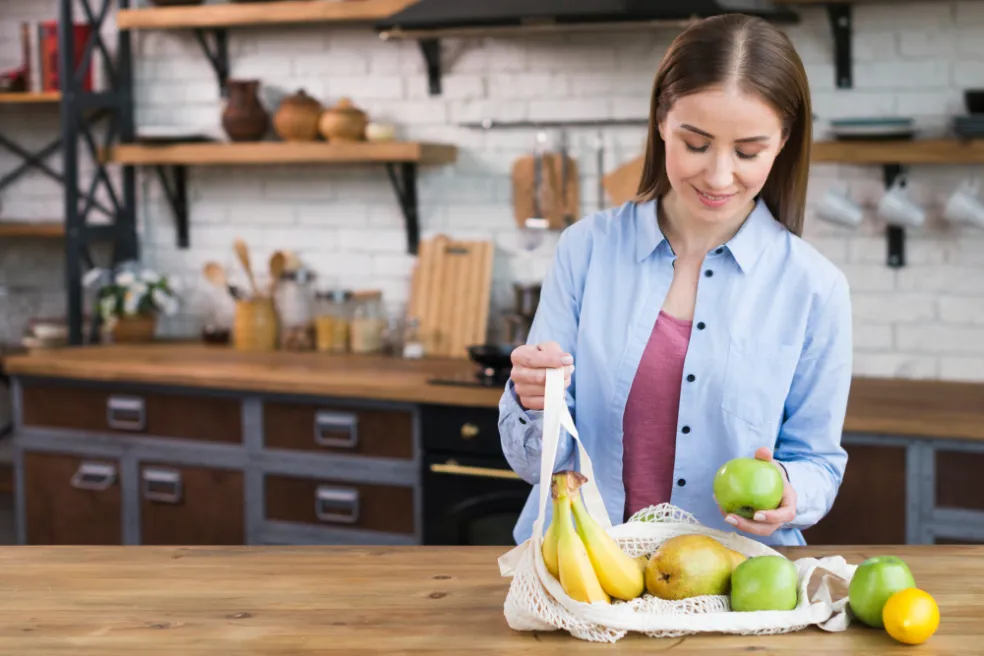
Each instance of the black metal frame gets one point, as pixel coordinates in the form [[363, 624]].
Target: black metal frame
[[218, 55], [76, 126], [405, 186], [895, 234], [842, 26]]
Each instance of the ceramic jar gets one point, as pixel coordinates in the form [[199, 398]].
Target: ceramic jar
[[297, 117], [343, 122], [244, 118]]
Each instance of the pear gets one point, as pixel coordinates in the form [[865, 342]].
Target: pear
[[737, 558], [689, 566]]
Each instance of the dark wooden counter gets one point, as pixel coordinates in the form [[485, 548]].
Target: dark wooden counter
[[917, 408], [358, 600]]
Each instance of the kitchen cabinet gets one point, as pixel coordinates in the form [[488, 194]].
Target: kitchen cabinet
[[191, 505], [71, 499]]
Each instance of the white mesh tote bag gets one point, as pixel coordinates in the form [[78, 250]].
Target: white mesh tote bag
[[536, 601]]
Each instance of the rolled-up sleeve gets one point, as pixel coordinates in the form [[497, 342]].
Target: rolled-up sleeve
[[521, 430], [809, 442]]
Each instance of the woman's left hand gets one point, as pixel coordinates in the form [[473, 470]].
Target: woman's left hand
[[767, 522]]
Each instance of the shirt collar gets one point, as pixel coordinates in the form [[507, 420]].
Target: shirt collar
[[746, 246]]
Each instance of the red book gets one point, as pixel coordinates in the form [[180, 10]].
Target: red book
[[48, 43]]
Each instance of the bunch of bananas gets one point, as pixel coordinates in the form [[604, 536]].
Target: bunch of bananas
[[589, 563]]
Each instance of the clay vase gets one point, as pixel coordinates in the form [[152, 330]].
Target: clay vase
[[343, 122], [244, 118], [136, 329], [297, 118]]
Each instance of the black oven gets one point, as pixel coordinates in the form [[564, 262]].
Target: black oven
[[471, 496]]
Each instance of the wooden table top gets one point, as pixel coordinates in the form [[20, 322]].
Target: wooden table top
[[113, 601], [918, 408]]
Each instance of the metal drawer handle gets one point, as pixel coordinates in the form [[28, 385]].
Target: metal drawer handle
[[452, 467], [328, 425], [468, 431], [126, 413], [338, 505], [162, 485], [96, 476]]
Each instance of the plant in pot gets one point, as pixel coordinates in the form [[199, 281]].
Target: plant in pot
[[130, 298]]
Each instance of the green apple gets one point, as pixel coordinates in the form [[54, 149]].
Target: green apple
[[875, 580], [764, 583], [743, 486]]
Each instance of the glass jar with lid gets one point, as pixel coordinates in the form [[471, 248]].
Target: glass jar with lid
[[295, 307], [368, 322], [332, 320]]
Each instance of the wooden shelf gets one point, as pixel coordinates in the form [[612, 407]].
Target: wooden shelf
[[928, 151], [279, 152], [48, 229], [29, 97], [259, 13]]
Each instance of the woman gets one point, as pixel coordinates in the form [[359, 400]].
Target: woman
[[701, 326]]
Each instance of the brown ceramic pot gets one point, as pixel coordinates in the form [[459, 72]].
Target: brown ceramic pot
[[297, 118], [244, 118], [343, 122], [135, 329]]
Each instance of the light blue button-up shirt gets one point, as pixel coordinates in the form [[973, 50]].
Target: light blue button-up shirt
[[770, 367]]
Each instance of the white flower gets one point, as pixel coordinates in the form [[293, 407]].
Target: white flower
[[149, 276], [125, 278], [174, 283], [92, 276], [167, 304]]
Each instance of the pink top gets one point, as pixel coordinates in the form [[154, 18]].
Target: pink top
[[649, 424]]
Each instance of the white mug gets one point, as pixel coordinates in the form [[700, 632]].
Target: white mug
[[964, 206], [896, 207], [837, 207]]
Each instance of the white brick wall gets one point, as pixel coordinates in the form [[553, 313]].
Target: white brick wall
[[925, 320]]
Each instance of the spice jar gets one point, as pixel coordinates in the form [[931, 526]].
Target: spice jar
[[295, 309], [331, 321], [368, 322]]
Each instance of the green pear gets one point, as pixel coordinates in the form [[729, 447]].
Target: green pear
[[689, 566], [874, 581], [743, 486], [764, 583]]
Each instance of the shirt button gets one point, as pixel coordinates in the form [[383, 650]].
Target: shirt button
[[691, 378], [522, 421], [681, 482], [708, 273], [701, 325], [685, 430], [719, 251]]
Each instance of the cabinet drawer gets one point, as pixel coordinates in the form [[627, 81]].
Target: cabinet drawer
[[214, 419], [386, 508], [191, 505], [463, 431], [958, 480], [72, 500], [309, 427]]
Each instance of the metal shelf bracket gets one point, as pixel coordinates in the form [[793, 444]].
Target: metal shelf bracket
[[218, 56], [403, 176], [895, 235], [431, 50], [842, 24], [176, 192]]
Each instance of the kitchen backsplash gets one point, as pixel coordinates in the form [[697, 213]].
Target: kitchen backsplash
[[925, 320]]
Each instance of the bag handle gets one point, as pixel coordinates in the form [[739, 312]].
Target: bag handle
[[555, 416]]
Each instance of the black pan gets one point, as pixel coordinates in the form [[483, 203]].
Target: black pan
[[492, 356]]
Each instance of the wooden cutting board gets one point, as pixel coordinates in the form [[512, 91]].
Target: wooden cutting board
[[622, 184], [559, 203], [451, 290]]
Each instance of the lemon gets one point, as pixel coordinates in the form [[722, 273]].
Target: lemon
[[911, 616]]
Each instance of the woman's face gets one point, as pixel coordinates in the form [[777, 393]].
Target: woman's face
[[720, 146]]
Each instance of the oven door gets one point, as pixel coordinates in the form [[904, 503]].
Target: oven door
[[471, 501]]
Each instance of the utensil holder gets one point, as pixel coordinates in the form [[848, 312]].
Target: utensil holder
[[255, 325]]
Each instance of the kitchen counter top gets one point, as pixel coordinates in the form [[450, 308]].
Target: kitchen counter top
[[367, 600], [916, 408]]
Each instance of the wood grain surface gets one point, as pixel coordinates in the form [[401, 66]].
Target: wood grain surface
[[916, 408], [113, 601]]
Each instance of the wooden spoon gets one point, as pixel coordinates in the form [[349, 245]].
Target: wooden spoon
[[215, 274], [278, 261], [242, 252]]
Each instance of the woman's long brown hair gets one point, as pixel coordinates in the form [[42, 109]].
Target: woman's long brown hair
[[748, 51]]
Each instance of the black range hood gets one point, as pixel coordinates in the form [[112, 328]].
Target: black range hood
[[450, 15]]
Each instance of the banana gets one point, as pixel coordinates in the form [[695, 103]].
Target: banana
[[577, 576], [550, 537], [619, 573]]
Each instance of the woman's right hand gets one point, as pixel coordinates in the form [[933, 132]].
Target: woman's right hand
[[529, 372]]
